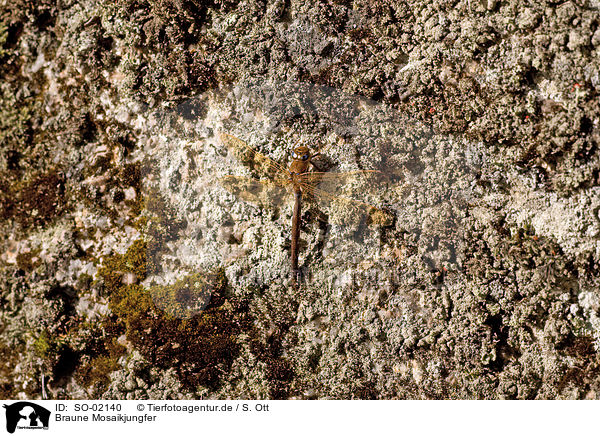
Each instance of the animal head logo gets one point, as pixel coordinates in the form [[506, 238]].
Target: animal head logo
[[26, 415]]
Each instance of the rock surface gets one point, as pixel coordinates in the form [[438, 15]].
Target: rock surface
[[129, 267]]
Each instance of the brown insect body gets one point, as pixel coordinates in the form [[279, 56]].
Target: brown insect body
[[301, 159], [296, 179]]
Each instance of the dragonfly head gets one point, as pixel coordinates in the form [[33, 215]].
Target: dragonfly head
[[301, 153]]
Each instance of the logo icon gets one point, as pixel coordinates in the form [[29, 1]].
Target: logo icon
[[26, 415]]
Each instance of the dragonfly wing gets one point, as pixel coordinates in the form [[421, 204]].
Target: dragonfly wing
[[251, 157], [346, 195], [336, 180], [259, 192]]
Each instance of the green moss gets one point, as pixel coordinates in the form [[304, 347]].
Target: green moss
[[97, 370], [130, 301], [199, 347], [42, 345], [114, 268], [98, 352], [57, 356], [49, 347], [191, 325]]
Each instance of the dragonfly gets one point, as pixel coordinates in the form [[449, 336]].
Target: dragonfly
[[303, 179]]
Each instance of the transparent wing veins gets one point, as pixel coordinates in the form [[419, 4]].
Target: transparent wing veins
[[235, 143], [260, 192]]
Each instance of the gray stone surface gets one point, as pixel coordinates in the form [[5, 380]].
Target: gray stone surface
[[128, 270]]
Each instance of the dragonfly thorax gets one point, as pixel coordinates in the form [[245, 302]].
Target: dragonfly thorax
[[300, 160]]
